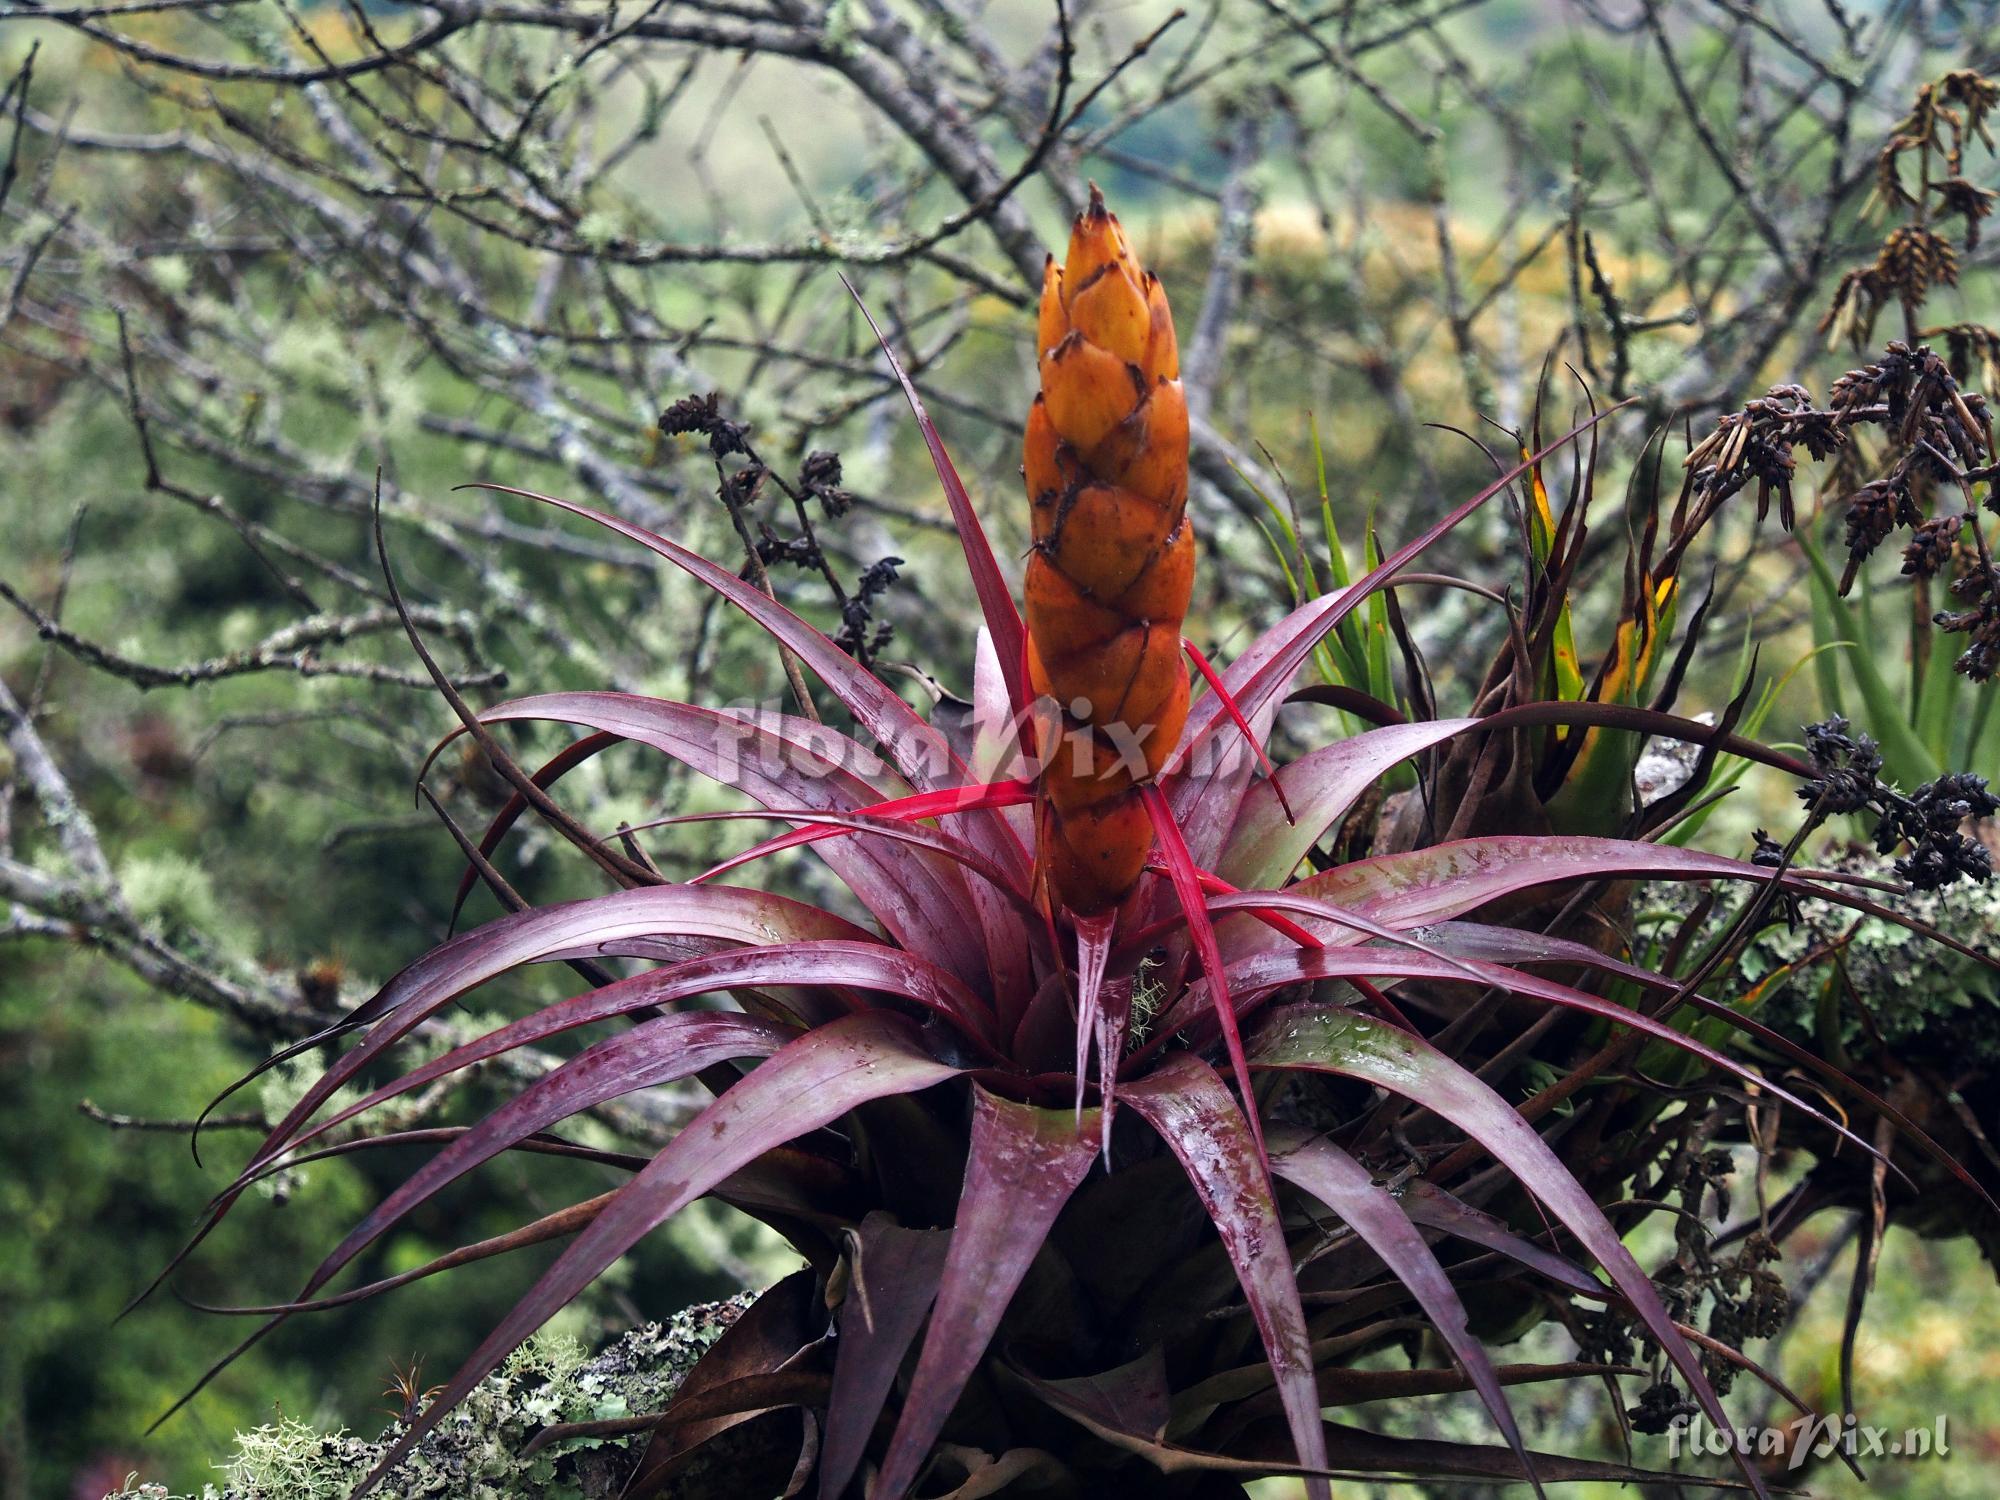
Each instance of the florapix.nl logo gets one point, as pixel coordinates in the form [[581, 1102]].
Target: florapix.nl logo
[[1814, 1437]]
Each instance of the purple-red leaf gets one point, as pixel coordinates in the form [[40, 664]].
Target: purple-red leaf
[[1023, 1165], [915, 746], [1133, 1398], [756, 1357], [1008, 925], [1449, 880], [652, 1053], [995, 745], [1324, 1039], [1097, 1404], [784, 762], [816, 966], [1206, 787], [1344, 1185], [1261, 673], [620, 922], [1365, 1457], [1264, 848], [660, 1051], [892, 1279], [811, 1083], [1266, 973], [1431, 1206], [1512, 946], [598, 925], [1191, 1109]]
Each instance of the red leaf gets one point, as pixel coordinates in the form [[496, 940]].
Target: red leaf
[[1372, 1212], [1187, 886], [811, 1083], [909, 809], [1267, 907], [1325, 1039], [996, 600], [1221, 689]]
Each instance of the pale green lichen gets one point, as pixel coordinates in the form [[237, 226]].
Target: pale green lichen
[[475, 1453], [1892, 986], [171, 895]]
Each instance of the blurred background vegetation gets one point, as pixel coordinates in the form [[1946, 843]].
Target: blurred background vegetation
[[244, 277]]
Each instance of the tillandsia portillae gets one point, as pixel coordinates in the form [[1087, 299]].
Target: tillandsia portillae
[[1106, 461], [1144, 1277]]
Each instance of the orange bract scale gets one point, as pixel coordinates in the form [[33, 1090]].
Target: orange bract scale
[[1166, 579], [1089, 391], [1163, 359], [1147, 452], [1111, 313], [1049, 467], [1052, 321], [1105, 458]]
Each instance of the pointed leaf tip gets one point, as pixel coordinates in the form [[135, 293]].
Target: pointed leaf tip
[[996, 600]]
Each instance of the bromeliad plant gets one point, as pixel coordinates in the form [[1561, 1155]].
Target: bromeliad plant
[[1065, 1224]]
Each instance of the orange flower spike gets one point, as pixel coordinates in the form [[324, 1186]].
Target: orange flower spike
[[1105, 457]]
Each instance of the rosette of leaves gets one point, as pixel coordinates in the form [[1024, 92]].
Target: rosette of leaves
[[1052, 1233]]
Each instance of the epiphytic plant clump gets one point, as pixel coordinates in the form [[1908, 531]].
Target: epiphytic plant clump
[[1023, 1121]]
